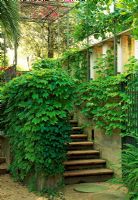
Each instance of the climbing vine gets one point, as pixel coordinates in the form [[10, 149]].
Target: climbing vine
[[35, 119], [104, 65], [75, 62], [103, 99]]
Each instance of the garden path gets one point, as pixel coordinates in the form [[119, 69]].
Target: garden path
[[10, 190]]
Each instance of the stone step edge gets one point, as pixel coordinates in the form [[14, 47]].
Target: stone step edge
[[88, 172], [82, 143], [82, 152], [84, 162], [78, 136], [73, 121], [76, 128]]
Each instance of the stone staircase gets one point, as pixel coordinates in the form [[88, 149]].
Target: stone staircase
[[84, 163]]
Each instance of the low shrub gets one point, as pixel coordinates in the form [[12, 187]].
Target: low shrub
[[130, 169], [48, 63], [35, 119]]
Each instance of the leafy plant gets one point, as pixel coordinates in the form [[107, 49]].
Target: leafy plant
[[75, 62], [2, 62], [130, 169], [96, 18], [48, 63], [132, 65], [35, 119], [6, 74], [105, 65], [103, 101], [9, 17]]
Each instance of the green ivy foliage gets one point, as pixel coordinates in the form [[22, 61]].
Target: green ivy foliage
[[103, 101], [132, 8], [75, 62], [35, 119], [95, 18], [48, 63], [132, 65], [104, 65]]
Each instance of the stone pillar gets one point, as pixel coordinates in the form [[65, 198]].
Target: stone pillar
[[132, 53], [136, 49], [125, 49], [92, 64], [98, 51], [119, 57]]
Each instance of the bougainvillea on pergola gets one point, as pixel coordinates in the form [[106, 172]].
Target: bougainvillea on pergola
[[42, 10]]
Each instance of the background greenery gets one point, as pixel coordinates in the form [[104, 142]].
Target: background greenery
[[9, 18]]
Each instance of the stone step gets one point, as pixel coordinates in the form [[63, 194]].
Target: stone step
[[84, 164], [87, 175], [78, 136], [3, 169], [2, 160], [76, 128], [74, 122], [80, 145], [82, 154], [88, 172]]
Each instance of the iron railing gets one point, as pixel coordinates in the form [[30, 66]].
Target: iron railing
[[132, 114]]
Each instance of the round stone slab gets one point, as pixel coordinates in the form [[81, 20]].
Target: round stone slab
[[110, 196], [90, 188]]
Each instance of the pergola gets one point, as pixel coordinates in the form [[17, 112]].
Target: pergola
[[45, 10], [42, 11]]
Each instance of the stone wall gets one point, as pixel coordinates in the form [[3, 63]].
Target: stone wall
[[110, 147], [5, 148]]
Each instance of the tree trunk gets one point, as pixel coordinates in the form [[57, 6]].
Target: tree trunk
[[50, 41]]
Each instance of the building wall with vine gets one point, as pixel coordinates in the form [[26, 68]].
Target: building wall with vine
[[81, 63]]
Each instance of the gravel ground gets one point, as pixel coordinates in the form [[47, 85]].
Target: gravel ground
[[10, 190]]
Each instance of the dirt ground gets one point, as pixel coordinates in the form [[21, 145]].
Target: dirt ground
[[10, 190]]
